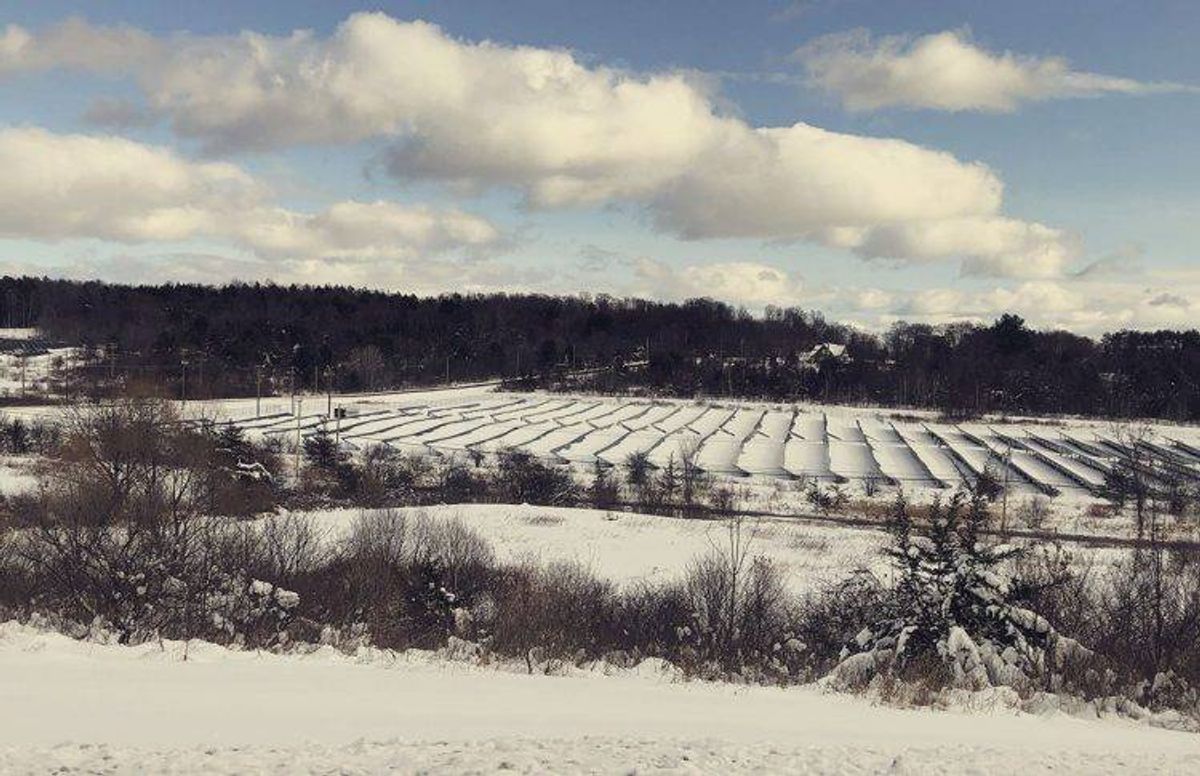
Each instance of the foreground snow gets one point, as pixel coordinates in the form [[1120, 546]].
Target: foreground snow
[[104, 708]]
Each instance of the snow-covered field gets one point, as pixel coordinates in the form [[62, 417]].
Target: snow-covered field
[[628, 548], [742, 439], [69, 706], [751, 441], [28, 364]]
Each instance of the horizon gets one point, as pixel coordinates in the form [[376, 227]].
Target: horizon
[[590, 296], [843, 157]]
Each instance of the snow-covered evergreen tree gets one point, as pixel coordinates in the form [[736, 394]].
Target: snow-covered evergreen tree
[[953, 608]]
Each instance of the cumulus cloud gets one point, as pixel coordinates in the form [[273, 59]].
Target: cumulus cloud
[[740, 282], [63, 186], [566, 134], [59, 186], [947, 71], [995, 246], [364, 231]]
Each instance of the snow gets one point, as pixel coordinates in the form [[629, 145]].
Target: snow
[[628, 548], [113, 709], [17, 474]]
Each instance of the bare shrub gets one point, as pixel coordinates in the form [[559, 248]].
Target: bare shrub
[[655, 621], [834, 614], [388, 477], [1034, 512], [457, 483], [121, 532], [289, 544], [551, 614], [723, 499], [461, 554], [379, 537], [738, 601]]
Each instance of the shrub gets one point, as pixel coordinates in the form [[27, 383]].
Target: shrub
[[604, 492], [557, 613], [1034, 512], [521, 478], [826, 500]]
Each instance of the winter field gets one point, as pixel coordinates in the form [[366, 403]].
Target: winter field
[[769, 452], [736, 439], [629, 548]]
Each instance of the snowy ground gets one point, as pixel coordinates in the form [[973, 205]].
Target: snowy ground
[[68, 705], [628, 548]]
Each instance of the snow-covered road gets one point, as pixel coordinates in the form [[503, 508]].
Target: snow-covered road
[[117, 709]]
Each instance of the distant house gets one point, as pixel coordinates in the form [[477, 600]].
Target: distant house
[[822, 354]]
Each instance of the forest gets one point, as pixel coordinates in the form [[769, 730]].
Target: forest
[[241, 338]]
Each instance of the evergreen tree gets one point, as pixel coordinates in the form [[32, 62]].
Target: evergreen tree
[[953, 606]]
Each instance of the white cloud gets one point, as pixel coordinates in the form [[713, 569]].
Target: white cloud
[[739, 282], [60, 187], [995, 246], [364, 231], [566, 134], [947, 71], [1085, 306]]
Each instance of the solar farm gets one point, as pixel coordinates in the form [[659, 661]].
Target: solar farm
[[834, 444]]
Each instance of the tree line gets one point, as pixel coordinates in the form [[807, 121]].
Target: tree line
[[241, 338]]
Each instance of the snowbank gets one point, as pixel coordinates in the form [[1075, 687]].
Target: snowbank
[[146, 709]]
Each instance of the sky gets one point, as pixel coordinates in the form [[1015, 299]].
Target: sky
[[925, 161]]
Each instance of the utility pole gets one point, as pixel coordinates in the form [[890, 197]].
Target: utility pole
[[296, 464], [329, 391], [1004, 495], [258, 391], [447, 369], [297, 455], [183, 383]]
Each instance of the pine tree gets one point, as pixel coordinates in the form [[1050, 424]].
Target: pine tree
[[953, 605]]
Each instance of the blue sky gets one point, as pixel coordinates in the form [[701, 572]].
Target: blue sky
[[1029, 156]]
